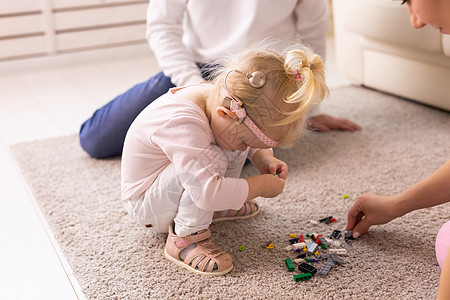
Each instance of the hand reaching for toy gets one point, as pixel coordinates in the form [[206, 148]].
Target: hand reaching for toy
[[370, 210], [323, 123], [266, 163], [274, 166]]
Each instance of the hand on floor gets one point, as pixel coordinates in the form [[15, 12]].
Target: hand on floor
[[325, 122]]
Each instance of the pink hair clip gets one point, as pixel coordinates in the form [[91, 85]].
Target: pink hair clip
[[298, 76]]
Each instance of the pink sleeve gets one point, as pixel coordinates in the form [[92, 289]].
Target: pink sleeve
[[443, 243], [200, 165]]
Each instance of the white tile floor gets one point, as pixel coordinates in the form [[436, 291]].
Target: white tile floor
[[49, 97]]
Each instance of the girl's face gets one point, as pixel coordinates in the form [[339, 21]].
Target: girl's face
[[432, 12]]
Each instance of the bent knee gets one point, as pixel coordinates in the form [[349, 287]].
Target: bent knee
[[97, 146]]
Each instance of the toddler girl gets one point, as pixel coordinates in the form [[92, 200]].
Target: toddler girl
[[184, 153]]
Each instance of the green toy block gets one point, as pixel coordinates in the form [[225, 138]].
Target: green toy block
[[289, 264], [302, 277]]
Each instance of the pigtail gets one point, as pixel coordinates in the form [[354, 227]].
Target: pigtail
[[306, 69]]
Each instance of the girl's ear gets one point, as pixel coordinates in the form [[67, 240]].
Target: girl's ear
[[223, 112]]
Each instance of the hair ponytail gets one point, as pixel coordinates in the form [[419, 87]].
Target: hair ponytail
[[307, 70]]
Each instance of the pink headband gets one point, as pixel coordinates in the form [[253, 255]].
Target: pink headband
[[240, 112]]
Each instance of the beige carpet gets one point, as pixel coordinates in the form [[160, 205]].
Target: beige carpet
[[113, 258]]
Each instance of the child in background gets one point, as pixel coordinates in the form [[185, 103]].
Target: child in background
[[184, 153]]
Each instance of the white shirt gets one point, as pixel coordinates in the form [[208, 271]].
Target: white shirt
[[184, 32]]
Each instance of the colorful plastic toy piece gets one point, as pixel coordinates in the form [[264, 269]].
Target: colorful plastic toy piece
[[292, 235], [307, 268], [336, 243], [308, 260], [301, 238], [338, 251], [289, 264], [336, 234], [326, 267], [294, 240], [348, 235], [337, 259], [326, 220], [241, 248], [298, 260], [345, 196], [303, 255], [302, 277], [298, 246], [270, 246], [323, 241], [329, 220], [311, 247]]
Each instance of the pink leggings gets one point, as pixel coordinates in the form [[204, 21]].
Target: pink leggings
[[443, 243]]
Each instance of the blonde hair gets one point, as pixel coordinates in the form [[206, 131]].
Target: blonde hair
[[278, 108]]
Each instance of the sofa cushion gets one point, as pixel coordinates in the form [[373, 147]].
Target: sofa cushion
[[446, 44], [388, 21]]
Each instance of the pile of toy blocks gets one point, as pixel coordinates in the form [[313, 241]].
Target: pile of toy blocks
[[313, 249]]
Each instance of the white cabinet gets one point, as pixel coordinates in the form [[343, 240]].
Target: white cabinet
[[34, 28]]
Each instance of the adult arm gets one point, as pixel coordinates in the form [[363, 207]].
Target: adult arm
[[313, 24], [371, 210], [165, 37]]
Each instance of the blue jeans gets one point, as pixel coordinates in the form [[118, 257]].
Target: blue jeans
[[103, 135]]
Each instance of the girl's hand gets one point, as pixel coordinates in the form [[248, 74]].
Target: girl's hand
[[325, 122], [370, 210], [265, 185], [266, 163], [273, 186]]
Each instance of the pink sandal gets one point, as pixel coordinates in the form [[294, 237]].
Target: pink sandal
[[197, 254], [249, 209]]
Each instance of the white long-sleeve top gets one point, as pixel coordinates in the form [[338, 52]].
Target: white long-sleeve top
[[176, 130], [184, 32]]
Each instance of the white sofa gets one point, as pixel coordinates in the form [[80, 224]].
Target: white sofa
[[376, 46]]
